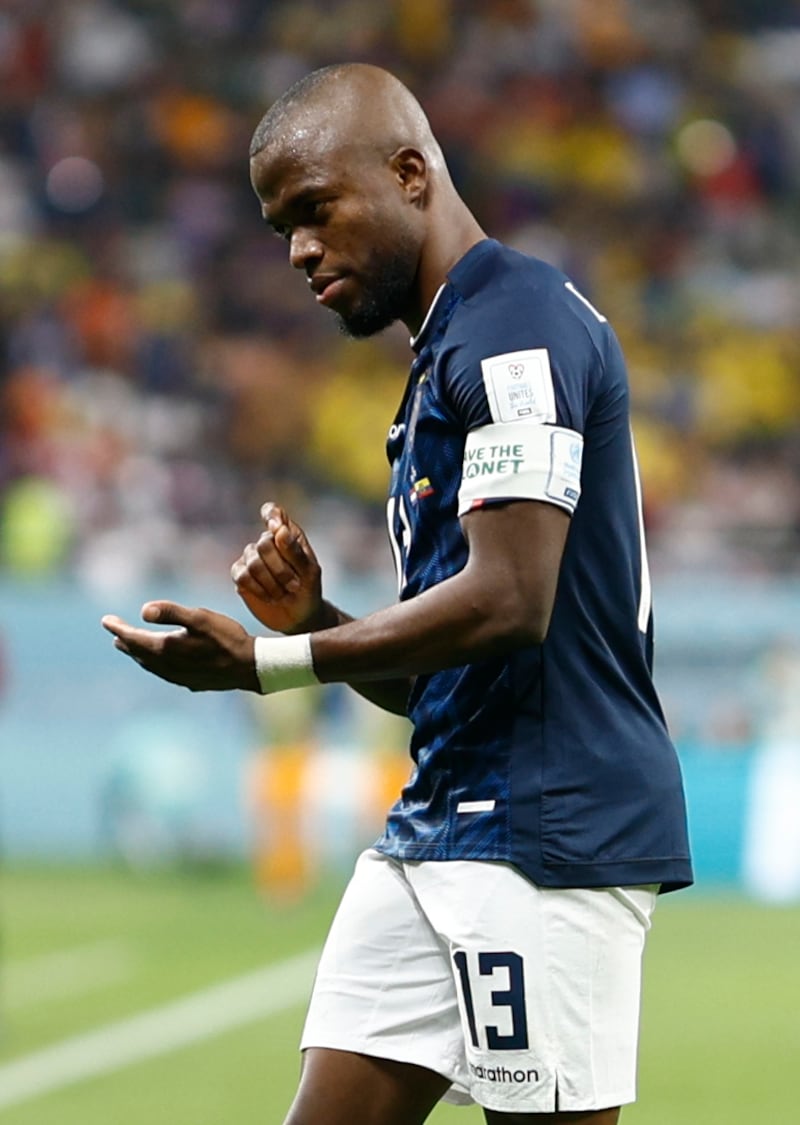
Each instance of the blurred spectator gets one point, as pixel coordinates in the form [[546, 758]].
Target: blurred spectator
[[158, 378]]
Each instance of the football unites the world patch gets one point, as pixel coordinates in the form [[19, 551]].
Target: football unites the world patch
[[519, 386]]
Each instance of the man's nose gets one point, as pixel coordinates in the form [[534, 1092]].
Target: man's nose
[[304, 249]]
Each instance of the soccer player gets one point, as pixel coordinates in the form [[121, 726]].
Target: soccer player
[[488, 948]]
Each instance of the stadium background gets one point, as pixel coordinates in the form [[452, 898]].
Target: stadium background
[[162, 373]]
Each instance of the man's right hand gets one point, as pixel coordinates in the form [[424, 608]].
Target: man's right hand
[[278, 577]]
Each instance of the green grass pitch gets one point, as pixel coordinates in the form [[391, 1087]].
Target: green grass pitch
[[85, 949]]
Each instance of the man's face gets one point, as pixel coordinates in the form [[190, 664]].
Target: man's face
[[349, 228]]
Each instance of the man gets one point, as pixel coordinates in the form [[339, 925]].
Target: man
[[489, 947]]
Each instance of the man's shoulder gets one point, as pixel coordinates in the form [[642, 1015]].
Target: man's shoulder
[[509, 302], [492, 270]]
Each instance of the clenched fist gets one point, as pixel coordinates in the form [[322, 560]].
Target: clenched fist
[[278, 577]]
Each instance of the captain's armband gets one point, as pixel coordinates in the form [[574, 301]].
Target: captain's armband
[[521, 461]]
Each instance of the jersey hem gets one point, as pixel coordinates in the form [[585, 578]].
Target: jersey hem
[[671, 873]]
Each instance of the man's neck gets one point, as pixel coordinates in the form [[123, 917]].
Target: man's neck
[[450, 241]]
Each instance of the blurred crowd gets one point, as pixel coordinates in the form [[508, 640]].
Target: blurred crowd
[[162, 371]]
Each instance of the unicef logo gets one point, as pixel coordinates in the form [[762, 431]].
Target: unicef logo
[[575, 453], [516, 370]]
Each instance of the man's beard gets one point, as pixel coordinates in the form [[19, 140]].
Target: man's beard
[[388, 297]]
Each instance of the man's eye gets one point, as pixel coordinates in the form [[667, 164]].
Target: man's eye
[[315, 209]]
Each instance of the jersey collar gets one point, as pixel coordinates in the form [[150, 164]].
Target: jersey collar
[[463, 277], [416, 341]]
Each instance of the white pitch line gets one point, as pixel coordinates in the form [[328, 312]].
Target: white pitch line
[[66, 973], [201, 1015]]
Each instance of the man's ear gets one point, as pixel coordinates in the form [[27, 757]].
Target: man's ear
[[411, 171]]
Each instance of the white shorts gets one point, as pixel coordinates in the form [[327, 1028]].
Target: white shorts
[[525, 998]]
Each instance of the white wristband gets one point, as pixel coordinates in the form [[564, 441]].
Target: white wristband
[[284, 662]]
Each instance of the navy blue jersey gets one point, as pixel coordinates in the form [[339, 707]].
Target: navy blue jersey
[[554, 758]]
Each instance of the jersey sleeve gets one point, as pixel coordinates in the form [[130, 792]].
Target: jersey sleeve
[[519, 382]]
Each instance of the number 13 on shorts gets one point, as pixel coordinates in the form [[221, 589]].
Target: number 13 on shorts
[[492, 992]]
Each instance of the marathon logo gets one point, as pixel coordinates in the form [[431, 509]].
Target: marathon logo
[[502, 1074]]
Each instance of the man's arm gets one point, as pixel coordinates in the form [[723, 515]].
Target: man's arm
[[388, 694], [501, 600]]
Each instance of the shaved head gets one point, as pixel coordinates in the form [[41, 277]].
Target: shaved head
[[349, 106], [348, 172]]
